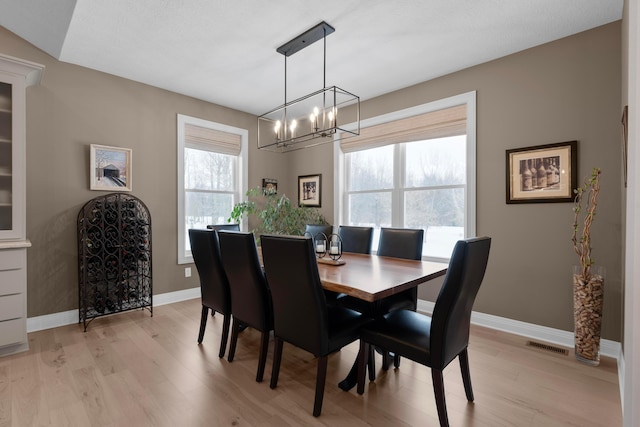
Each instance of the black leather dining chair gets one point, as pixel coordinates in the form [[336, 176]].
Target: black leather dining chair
[[218, 227], [214, 286], [250, 296], [436, 340], [300, 312], [356, 239], [403, 243], [313, 229]]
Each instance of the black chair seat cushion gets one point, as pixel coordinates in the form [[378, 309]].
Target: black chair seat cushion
[[405, 331], [344, 327]]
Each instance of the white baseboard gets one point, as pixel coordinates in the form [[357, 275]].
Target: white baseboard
[[553, 336], [529, 330], [70, 317]]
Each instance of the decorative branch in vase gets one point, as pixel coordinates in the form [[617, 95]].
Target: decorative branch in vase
[[588, 279]]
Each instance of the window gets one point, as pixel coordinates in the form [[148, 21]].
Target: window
[[414, 168], [212, 175]]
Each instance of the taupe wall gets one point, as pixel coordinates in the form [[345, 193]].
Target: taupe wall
[[75, 107], [565, 90]]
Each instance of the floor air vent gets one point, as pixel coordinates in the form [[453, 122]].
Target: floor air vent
[[547, 347]]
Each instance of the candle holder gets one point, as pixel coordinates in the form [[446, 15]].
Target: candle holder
[[320, 244], [335, 246]]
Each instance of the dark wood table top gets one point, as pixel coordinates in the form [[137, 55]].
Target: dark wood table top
[[372, 277]]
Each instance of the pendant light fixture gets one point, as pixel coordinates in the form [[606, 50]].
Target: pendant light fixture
[[312, 119]]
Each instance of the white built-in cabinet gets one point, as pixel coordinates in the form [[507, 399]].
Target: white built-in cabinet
[[15, 75]]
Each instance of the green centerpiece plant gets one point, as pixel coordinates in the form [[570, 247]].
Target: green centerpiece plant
[[588, 278], [274, 214]]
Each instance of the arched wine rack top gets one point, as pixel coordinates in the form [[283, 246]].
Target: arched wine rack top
[[114, 256], [95, 207]]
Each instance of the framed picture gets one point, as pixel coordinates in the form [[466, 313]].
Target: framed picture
[[269, 186], [543, 173], [310, 190], [110, 168]]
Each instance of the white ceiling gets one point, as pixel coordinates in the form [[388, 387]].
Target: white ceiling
[[225, 51]]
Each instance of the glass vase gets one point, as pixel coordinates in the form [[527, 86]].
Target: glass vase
[[588, 295]]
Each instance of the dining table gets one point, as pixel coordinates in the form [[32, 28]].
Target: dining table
[[373, 278]]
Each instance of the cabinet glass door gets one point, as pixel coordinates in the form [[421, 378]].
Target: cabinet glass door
[[6, 155]]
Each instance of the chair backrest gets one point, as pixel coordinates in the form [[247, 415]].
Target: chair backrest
[[356, 239], [401, 243], [313, 229], [299, 306], [452, 311], [217, 227], [250, 297], [213, 280]]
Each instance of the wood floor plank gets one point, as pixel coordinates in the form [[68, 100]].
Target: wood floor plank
[[29, 405], [5, 395], [133, 369]]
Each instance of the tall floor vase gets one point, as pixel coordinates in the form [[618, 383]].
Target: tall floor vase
[[588, 295]]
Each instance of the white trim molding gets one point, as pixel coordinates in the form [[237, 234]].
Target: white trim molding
[[70, 317], [549, 335]]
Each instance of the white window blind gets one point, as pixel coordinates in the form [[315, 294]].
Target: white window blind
[[435, 124], [207, 138]]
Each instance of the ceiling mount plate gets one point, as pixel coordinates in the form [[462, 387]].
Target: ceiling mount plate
[[310, 36]]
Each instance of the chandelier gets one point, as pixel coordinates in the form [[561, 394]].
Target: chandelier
[[314, 118]]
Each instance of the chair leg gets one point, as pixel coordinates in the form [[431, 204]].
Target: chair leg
[[277, 357], [372, 363], [225, 334], [396, 361], [466, 375], [262, 359], [386, 360], [235, 328], [363, 361], [321, 377], [203, 323], [438, 390]]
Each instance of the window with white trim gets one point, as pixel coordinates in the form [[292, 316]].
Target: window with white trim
[[413, 168], [212, 175]]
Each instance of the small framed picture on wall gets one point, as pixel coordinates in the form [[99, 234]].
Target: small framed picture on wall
[[542, 173], [110, 168], [269, 186], [310, 190]]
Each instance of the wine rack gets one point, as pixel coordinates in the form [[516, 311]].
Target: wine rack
[[114, 256]]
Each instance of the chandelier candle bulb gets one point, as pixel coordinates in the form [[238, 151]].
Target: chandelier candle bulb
[[293, 126], [277, 129]]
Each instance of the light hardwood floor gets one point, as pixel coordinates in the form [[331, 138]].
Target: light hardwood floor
[[135, 370]]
